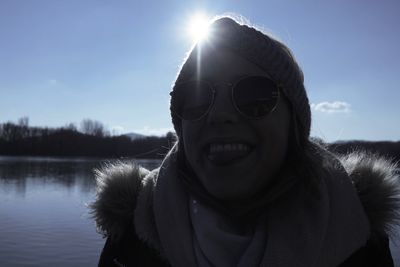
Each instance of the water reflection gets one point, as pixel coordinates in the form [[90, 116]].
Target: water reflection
[[66, 172], [44, 218]]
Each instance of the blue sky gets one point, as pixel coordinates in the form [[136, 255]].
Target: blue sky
[[114, 61]]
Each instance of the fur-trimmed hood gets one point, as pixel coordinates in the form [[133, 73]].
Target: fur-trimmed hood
[[375, 178]]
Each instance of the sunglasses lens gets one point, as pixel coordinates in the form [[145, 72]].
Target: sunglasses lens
[[191, 100], [255, 96]]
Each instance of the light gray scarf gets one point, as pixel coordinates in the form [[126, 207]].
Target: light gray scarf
[[219, 241], [298, 230]]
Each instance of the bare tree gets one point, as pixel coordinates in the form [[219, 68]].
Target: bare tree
[[23, 124], [93, 127], [23, 121], [9, 131], [71, 126]]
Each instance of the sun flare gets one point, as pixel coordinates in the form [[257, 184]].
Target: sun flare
[[198, 27]]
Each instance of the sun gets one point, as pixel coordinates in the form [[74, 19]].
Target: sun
[[198, 27]]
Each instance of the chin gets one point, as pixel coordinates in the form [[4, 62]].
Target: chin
[[227, 189], [238, 184]]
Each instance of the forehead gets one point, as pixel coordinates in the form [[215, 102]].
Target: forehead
[[221, 66]]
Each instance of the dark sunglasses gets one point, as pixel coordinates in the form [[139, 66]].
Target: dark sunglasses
[[252, 96]]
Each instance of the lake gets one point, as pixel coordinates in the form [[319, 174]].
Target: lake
[[43, 216]]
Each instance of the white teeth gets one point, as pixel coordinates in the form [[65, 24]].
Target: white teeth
[[228, 147]]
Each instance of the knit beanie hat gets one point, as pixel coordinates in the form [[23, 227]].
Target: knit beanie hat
[[262, 50]]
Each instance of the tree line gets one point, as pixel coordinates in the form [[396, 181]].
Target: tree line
[[91, 139]]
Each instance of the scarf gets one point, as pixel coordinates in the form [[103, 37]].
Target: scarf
[[298, 230], [220, 241], [243, 210]]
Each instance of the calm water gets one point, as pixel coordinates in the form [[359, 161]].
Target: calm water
[[43, 217]]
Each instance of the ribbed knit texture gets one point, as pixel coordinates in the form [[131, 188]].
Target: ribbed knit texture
[[264, 51]]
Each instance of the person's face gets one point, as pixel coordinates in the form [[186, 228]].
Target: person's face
[[233, 156]]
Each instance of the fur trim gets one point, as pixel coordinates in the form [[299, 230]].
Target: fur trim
[[144, 220], [378, 185], [118, 185], [122, 186]]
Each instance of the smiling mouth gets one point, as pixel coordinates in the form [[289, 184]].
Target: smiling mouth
[[227, 153]]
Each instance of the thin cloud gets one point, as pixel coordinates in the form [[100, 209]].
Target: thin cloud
[[52, 82], [332, 107]]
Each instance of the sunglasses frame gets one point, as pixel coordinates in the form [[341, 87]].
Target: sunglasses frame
[[231, 86]]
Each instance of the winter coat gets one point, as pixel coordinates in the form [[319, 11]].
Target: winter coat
[[374, 178]]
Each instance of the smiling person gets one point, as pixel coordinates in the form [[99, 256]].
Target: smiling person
[[245, 185]]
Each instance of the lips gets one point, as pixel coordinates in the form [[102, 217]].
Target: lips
[[224, 153]]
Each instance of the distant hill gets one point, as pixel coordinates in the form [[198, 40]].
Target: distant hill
[[134, 136]]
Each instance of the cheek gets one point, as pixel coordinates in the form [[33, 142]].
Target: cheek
[[274, 150], [190, 137], [275, 140]]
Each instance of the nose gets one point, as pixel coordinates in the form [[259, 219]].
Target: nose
[[222, 110]]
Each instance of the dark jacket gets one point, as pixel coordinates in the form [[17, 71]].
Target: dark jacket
[[374, 178]]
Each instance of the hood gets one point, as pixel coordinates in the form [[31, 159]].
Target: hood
[[377, 182], [375, 178]]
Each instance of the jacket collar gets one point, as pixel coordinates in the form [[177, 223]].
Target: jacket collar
[[120, 186]]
